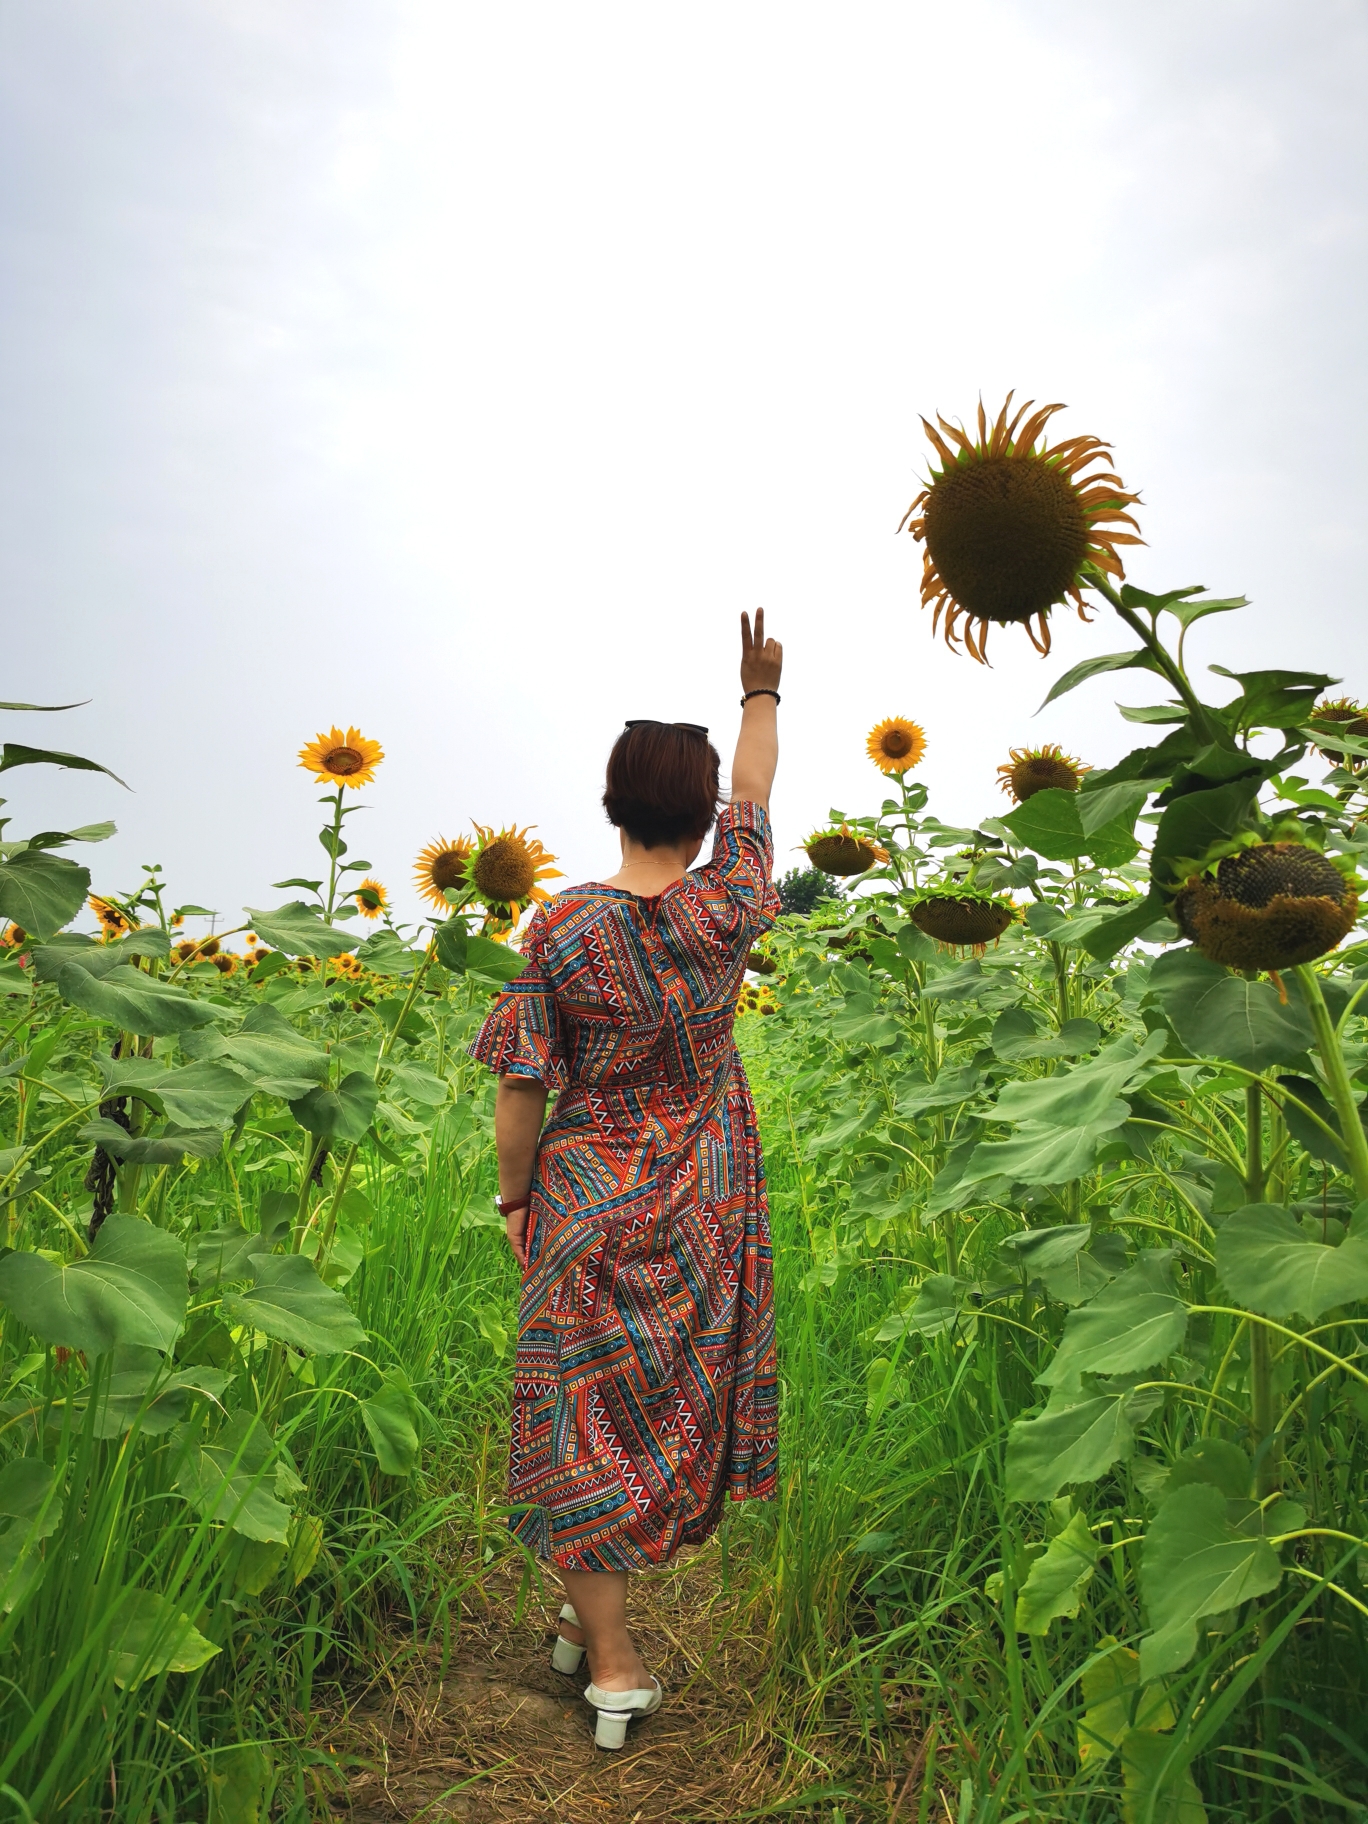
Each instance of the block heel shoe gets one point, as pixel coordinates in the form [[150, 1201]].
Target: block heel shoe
[[617, 1708], [566, 1655]]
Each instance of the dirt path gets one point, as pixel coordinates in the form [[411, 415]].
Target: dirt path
[[502, 1737]]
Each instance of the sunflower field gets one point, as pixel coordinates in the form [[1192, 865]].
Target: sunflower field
[[1065, 1126]]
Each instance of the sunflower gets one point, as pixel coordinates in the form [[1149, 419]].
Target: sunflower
[[195, 949], [506, 866], [842, 851], [114, 921], [1349, 718], [964, 920], [1010, 524], [342, 759], [1268, 907], [15, 937], [440, 866], [896, 745], [1028, 770], [225, 962], [346, 965], [371, 897]]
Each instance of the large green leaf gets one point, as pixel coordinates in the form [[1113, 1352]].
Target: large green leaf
[[134, 1001], [494, 961], [1063, 825], [231, 1481], [16, 754], [1220, 1015], [1076, 1439], [1104, 938], [140, 1389], [290, 1303], [195, 1095], [862, 1020], [1018, 1037], [298, 930], [391, 1421], [939, 1307], [1116, 1702], [1083, 1095], [388, 954], [1305, 1095], [1266, 1261], [150, 1637], [267, 1049], [30, 1510], [1196, 821], [1039, 1154], [1194, 1564], [1134, 1322], [343, 1113], [955, 1085], [41, 892], [1140, 659], [131, 1288], [1056, 1581], [1149, 1794], [166, 1148]]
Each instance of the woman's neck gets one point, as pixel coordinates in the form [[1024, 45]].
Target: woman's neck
[[649, 871]]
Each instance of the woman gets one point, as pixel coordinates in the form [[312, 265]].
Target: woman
[[644, 1386]]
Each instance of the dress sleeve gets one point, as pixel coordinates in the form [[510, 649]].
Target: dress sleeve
[[521, 1036], [743, 861]]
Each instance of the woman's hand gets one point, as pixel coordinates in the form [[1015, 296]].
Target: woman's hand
[[762, 660], [515, 1227]]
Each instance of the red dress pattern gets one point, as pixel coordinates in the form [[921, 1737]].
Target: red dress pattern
[[644, 1389]]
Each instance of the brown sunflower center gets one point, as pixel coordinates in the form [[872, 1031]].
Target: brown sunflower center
[[895, 742], [1257, 876], [344, 761], [504, 870], [1007, 534], [1040, 773], [447, 870]]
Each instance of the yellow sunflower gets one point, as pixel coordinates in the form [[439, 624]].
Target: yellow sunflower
[[1010, 523], [896, 745], [1028, 770], [442, 864], [346, 965], [507, 866], [225, 961], [114, 921], [14, 938], [371, 897], [342, 759]]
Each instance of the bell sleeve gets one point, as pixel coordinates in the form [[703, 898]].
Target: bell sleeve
[[743, 862], [521, 1035]]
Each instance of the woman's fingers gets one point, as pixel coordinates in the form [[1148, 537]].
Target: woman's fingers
[[760, 628], [515, 1227], [747, 644]]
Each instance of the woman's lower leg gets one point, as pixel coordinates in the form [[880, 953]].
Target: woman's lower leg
[[599, 1598]]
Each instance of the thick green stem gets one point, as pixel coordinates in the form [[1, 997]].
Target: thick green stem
[[1264, 1409], [332, 856], [1201, 720], [1336, 1077]]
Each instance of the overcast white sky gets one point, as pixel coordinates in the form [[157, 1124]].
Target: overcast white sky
[[462, 371]]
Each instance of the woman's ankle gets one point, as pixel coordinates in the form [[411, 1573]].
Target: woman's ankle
[[618, 1669]]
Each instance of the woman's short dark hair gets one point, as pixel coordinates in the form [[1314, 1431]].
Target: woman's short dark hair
[[662, 784]]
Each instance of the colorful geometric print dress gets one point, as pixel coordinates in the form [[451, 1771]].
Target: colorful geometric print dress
[[644, 1390]]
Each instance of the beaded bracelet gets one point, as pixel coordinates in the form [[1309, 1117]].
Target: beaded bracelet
[[762, 692]]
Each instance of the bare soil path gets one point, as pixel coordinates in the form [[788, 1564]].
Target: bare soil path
[[498, 1736]]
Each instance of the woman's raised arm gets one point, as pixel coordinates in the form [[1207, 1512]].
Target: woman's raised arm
[[757, 745]]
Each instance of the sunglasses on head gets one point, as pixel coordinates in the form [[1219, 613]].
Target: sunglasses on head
[[692, 728]]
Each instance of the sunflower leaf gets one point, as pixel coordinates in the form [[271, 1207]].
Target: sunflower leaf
[[1140, 660], [40, 892], [16, 754], [298, 930]]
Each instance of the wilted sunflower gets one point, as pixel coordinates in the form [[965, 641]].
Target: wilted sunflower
[[963, 920], [842, 851], [506, 866], [896, 745], [1028, 770], [225, 962], [1268, 907], [1009, 523], [113, 920], [440, 866], [342, 759], [1349, 718], [371, 897]]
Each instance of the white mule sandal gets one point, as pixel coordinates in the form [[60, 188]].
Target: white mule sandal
[[617, 1708], [567, 1655]]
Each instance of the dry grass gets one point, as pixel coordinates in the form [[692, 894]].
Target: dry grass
[[499, 1736]]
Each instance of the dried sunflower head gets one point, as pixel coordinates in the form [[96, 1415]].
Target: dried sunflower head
[[964, 920], [1348, 717], [843, 851], [1028, 770], [1269, 906], [1010, 524]]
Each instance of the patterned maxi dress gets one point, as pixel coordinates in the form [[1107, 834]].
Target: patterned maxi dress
[[644, 1389]]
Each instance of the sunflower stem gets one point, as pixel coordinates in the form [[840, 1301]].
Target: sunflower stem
[[1149, 638], [332, 856], [1337, 1077]]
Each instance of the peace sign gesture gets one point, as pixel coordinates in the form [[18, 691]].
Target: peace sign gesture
[[762, 660]]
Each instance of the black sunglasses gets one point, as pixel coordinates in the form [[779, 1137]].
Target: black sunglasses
[[692, 728]]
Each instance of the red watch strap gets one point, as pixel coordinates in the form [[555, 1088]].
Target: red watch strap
[[511, 1209]]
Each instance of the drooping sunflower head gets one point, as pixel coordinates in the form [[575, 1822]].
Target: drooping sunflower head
[[506, 868], [114, 921], [1028, 770], [963, 920], [896, 745], [348, 759], [1010, 523], [371, 898], [1348, 717], [225, 962], [1268, 906], [842, 850], [441, 867]]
